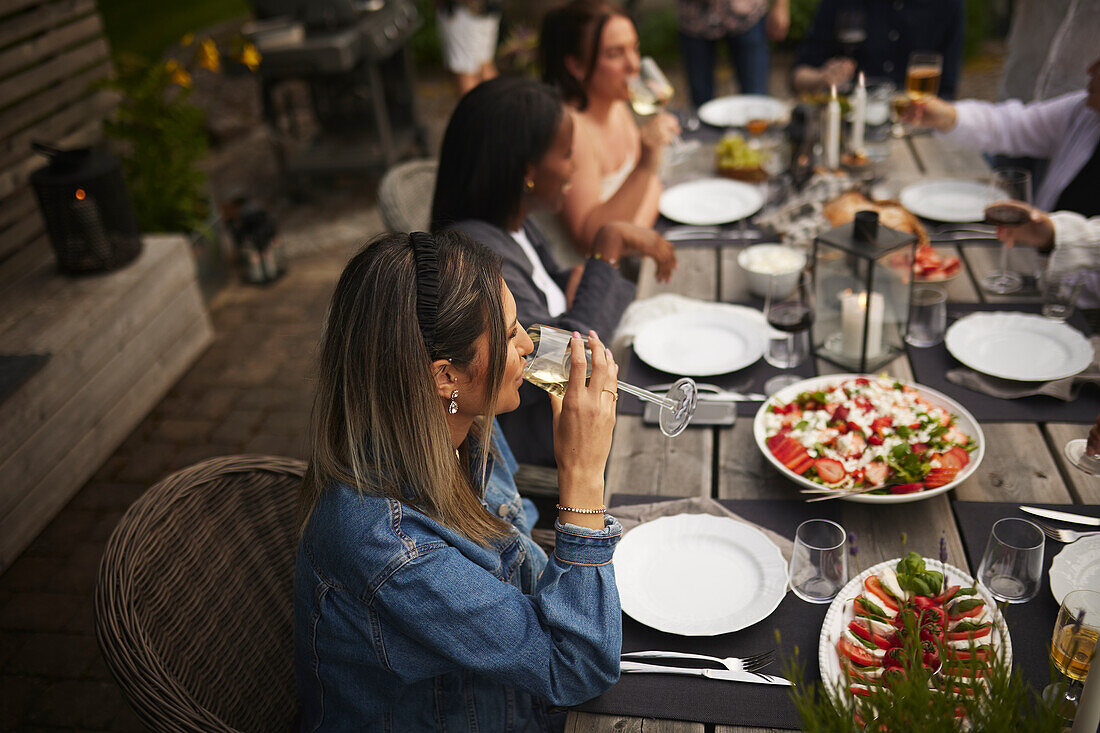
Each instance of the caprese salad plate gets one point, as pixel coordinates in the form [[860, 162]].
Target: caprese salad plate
[[961, 629], [872, 439]]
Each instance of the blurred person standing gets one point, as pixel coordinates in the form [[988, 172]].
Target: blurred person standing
[[468, 31], [745, 25], [891, 32], [1047, 41]]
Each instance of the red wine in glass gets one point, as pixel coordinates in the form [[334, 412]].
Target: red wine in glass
[[790, 317], [1008, 215]]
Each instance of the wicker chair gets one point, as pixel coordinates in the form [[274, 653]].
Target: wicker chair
[[405, 196], [193, 600]]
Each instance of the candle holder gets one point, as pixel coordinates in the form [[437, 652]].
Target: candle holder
[[862, 283]]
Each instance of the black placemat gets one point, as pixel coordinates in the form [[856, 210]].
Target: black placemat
[[713, 701], [930, 366], [15, 369], [1030, 624], [749, 379]]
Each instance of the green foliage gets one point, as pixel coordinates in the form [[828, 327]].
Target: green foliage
[[802, 17], [149, 29], [913, 702], [162, 141], [979, 26], [658, 35], [425, 47]]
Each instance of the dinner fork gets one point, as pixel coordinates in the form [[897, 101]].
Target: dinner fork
[[1063, 535], [733, 664]]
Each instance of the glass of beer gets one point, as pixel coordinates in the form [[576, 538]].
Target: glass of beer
[[549, 363], [1072, 647], [922, 78]]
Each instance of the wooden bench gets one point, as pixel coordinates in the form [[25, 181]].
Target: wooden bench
[[117, 342]]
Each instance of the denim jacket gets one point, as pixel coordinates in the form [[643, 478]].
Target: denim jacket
[[402, 624]]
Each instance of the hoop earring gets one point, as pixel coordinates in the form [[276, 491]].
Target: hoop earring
[[453, 406]]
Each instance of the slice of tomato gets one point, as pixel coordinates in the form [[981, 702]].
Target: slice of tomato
[[830, 470], [862, 628], [942, 597], [856, 653], [874, 586], [977, 634], [976, 611]]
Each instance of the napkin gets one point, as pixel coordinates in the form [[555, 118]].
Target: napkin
[[631, 515], [1065, 389]]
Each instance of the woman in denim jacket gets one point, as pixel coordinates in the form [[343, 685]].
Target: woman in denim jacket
[[421, 602]]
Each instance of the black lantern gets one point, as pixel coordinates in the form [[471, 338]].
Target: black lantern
[[862, 279]]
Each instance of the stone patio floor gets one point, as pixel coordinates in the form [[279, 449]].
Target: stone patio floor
[[249, 393]]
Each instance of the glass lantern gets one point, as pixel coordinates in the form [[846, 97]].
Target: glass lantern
[[862, 281]]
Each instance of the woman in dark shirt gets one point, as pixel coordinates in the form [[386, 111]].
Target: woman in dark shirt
[[506, 152]]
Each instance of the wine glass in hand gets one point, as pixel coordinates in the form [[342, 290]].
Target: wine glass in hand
[[789, 316], [1008, 188], [1071, 648], [548, 367], [650, 92]]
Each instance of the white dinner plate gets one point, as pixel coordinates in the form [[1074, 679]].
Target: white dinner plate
[[1076, 567], [947, 199], [701, 343], [710, 201], [1021, 346], [840, 613], [964, 420], [698, 574], [736, 110]]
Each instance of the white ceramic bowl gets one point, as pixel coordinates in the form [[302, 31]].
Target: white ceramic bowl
[[758, 262]]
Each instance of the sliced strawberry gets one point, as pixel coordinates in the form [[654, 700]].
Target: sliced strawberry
[[963, 456], [875, 439], [856, 444], [830, 470], [880, 424], [949, 460], [907, 488], [875, 473], [941, 476], [801, 465]]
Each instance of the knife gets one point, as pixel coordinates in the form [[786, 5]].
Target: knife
[[1062, 516], [714, 674]]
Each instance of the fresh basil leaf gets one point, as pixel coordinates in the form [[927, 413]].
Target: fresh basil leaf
[[967, 604]]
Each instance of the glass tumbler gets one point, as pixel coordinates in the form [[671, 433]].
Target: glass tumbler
[[1012, 565], [819, 562], [927, 317]]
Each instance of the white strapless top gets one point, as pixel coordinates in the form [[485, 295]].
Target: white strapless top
[[610, 183]]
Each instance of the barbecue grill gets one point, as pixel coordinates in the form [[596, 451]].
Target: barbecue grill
[[355, 59]]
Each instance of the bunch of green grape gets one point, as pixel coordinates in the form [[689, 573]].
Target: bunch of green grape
[[734, 152]]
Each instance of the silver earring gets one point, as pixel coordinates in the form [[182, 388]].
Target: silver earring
[[453, 407]]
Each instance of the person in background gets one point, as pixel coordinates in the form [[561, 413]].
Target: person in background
[[420, 600], [745, 26], [588, 50], [1045, 46], [1064, 130], [507, 152], [893, 29], [468, 31]]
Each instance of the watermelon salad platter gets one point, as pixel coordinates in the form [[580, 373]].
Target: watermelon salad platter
[[872, 439]]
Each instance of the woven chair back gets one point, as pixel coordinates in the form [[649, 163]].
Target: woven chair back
[[405, 196], [194, 597]]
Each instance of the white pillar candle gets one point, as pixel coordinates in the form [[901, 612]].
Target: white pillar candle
[[832, 131], [853, 306], [859, 114]]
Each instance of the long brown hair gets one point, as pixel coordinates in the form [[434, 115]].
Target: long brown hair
[[573, 29], [378, 424]]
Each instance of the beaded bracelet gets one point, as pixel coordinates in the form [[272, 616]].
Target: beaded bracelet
[[600, 510], [601, 258]]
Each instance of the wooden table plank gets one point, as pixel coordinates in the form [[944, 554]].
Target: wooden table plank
[[1085, 488], [942, 158], [1017, 467], [592, 723]]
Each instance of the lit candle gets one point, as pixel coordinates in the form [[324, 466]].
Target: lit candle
[[832, 131], [859, 114], [853, 309]]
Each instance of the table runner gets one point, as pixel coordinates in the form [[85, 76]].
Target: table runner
[[930, 366], [1030, 624], [713, 701]]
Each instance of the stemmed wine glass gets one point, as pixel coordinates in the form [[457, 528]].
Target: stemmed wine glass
[[548, 368], [851, 31], [1077, 451], [1007, 184], [650, 92], [789, 314], [1072, 646]]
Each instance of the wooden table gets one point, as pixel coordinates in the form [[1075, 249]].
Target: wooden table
[[1023, 461]]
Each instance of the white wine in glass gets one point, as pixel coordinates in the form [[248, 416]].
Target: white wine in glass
[[548, 367], [1072, 647]]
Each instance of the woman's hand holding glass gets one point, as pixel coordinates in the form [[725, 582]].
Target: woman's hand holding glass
[[583, 423], [657, 132]]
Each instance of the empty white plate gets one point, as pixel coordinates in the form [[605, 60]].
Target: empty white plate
[[698, 574], [1020, 346], [1076, 567], [700, 343], [737, 109], [710, 201], [947, 199]]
